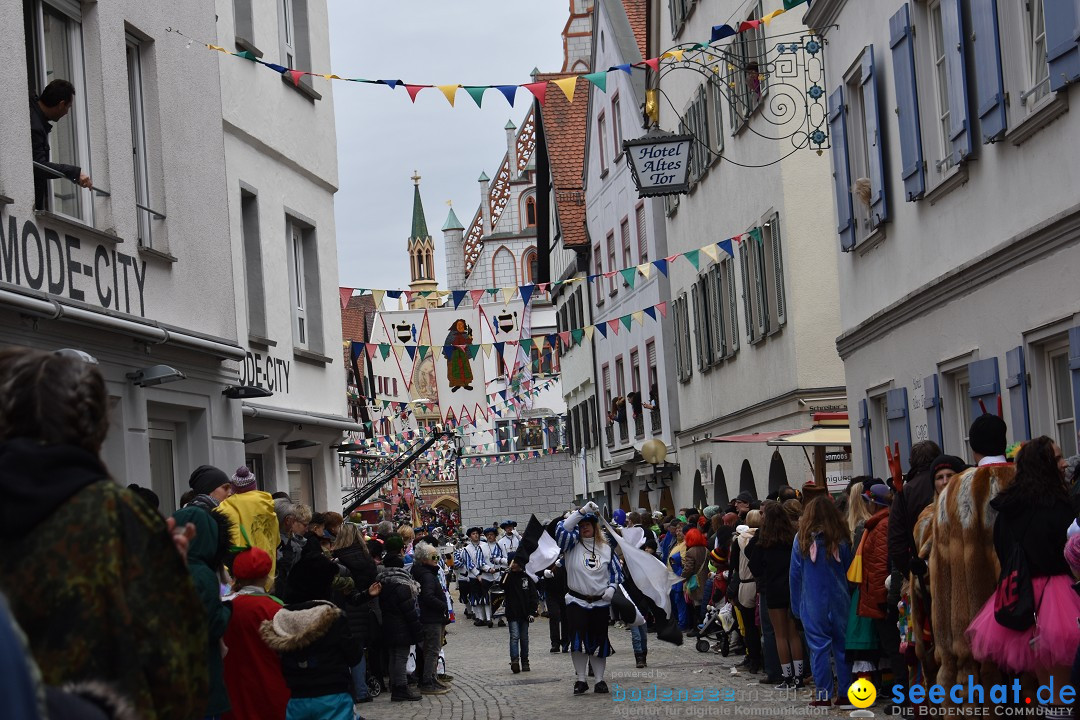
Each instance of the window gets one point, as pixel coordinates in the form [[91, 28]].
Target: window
[[606, 375], [725, 317], [601, 139], [941, 87], [957, 410], [642, 234], [1038, 71], [304, 285], [624, 232], [294, 45], [611, 262], [1061, 399], [696, 123], [682, 338], [288, 34], [529, 268], [244, 26], [679, 10], [764, 298], [598, 256], [253, 273], [716, 115], [55, 51], [620, 382], [746, 72], [635, 371], [530, 211], [616, 126], [139, 149], [864, 152], [879, 425]]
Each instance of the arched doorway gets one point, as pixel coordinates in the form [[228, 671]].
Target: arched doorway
[[446, 501], [719, 492], [777, 472], [746, 479], [699, 490], [643, 500]]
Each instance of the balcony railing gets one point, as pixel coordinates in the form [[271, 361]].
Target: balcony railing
[[624, 434], [609, 432], [639, 426], [655, 420]]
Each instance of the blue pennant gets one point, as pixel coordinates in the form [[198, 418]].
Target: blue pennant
[[392, 83], [458, 296], [651, 311], [508, 91]]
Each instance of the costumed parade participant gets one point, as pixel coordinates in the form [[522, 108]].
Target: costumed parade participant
[[510, 540], [491, 571], [592, 574]]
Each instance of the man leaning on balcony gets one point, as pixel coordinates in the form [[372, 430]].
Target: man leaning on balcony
[[49, 107]]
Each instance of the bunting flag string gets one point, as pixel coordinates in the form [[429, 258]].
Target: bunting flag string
[[538, 90]]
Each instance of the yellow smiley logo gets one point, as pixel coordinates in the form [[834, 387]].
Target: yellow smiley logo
[[862, 693]]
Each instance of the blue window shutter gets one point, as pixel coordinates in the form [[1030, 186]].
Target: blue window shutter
[[1016, 382], [845, 214], [952, 31], [899, 427], [1074, 367], [932, 403], [902, 43], [879, 209], [864, 431], [989, 85], [983, 385], [1062, 52]]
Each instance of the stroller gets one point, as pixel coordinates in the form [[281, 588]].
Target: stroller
[[719, 632]]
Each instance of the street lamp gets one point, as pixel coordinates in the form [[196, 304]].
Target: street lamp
[[659, 162], [654, 452]]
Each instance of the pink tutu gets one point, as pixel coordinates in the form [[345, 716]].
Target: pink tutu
[[1057, 630]]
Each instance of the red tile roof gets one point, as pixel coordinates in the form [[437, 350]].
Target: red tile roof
[[564, 131], [636, 12]]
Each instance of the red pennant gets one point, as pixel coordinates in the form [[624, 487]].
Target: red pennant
[[662, 307], [345, 293], [614, 325], [296, 75], [672, 258], [565, 337], [653, 63], [371, 349], [748, 25], [542, 287], [408, 296], [476, 296], [539, 89], [413, 90]]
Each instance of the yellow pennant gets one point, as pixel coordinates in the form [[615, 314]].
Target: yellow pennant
[[567, 85], [331, 76], [449, 91], [645, 269], [486, 347], [712, 251], [508, 294], [589, 330], [677, 54], [219, 49], [377, 296], [638, 316], [769, 18]]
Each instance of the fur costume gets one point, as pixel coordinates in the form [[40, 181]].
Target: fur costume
[[964, 568], [920, 597]]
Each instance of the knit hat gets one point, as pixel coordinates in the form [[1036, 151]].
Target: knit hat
[[394, 543], [730, 519], [1072, 553], [879, 494], [745, 497], [206, 479], [711, 510], [243, 479], [252, 564], [987, 435], [948, 461], [811, 490]]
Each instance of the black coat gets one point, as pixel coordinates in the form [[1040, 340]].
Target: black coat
[[770, 567], [432, 599], [400, 619], [359, 607], [1040, 525], [520, 596], [316, 660], [918, 492]]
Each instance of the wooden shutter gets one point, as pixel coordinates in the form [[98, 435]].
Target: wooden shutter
[[642, 236], [1016, 382], [864, 431], [989, 84], [879, 207], [733, 306], [902, 42], [778, 270], [845, 213], [952, 32], [747, 293], [983, 385], [1074, 368], [896, 403], [1062, 52], [932, 404]]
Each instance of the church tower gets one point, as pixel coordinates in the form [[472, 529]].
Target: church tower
[[577, 37], [421, 255]]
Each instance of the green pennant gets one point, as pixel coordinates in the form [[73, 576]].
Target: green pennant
[[247, 55], [472, 350], [423, 350], [755, 233], [628, 275], [527, 344], [627, 320], [692, 256], [476, 93], [384, 350], [599, 79], [788, 4]]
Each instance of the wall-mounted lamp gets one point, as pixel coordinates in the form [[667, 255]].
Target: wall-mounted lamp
[[299, 444], [155, 375], [244, 392], [254, 437], [77, 354]]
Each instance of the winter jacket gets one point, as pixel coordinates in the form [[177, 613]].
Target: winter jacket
[[253, 511], [1039, 525], [288, 552], [745, 587], [819, 586], [520, 596], [918, 492], [206, 555], [90, 572], [431, 599], [257, 689], [359, 607], [316, 648], [397, 601], [875, 566], [695, 562], [770, 567]]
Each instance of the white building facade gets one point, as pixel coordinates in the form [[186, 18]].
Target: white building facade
[[956, 288], [635, 382], [753, 333], [281, 164]]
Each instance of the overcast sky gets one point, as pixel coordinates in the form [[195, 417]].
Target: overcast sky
[[382, 137]]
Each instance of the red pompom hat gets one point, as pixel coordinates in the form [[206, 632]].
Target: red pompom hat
[[252, 564]]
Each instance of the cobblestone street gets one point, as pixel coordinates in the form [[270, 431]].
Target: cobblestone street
[[485, 689]]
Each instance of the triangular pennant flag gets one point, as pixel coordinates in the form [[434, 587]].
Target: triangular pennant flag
[[377, 296], [371, 349], [588, 331], [625, 67], [508, 294], [476, 92], [769, 18], [345, 294], [614, 326], [599, 79], [662, 307], [651, 312], [276, 68], [527, 345], [508, 91], [645, 269], [390, 83], [712, 252], [726, 246], [661, 265], [788, 4], [627, 320], [676, 54], [394, 294], [539, 89], [411, 350], [526, 293], [472, 351], [567, 85], [748, 25], [449, 91], [564, 337], [499, 346], [330, 76], [602, 328], [692, 256], [487, 349], [247, 55], [719, 32], [219, 49], [384, 350], [296, 75], [629, 275], [458, 296], [639, 316], [413, 90], [409, 296], [654, 64], [755, 234], [577, 335], [476, 296], [423, 351]]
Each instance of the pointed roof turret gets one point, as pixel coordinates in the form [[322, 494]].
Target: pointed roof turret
[[483, 177], [419, 222], [452, 222], [509, 125]]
